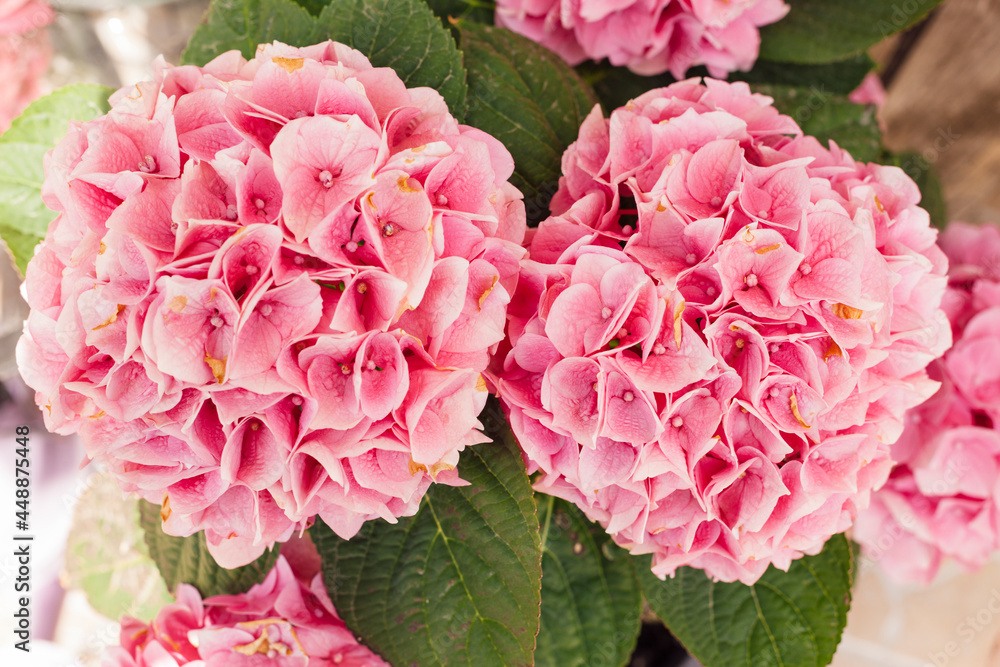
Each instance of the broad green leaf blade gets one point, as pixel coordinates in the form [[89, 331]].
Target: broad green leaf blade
[[819, 31], [786, 619], [528, 98], [481, 11], [187, 560], [24, 219], [827, 116], [404, 35], [245, 24], [590, 595], [459, 583], [106, 555]]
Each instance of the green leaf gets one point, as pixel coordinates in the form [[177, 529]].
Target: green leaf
[[932, 194], [840, 77], [245, 24], [404, 35], [187, 560], [827, 116], [24, 218], [481, 11], [819, 31], [590, 595], [459, 582], [786, 619], [615, 86], [106, 556], [528, 98]]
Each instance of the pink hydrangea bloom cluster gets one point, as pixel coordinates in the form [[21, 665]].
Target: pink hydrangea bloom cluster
[[24, 54], [271, 291], [943, 497], [277, 622], [719, 329], [647, 36]]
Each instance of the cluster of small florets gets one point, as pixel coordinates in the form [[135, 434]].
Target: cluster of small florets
[[647, 37], [719, 330], [271, 291], [943, 497], [24, 54], [277, 622]]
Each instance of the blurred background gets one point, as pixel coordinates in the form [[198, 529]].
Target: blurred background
[[943, 104]]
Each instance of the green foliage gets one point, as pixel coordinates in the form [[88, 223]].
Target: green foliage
[[926, 176], [24, 218], [314, 7], [529, 99], [187, 560], [615, 86], [839, 78], [245, 24], [590, 595], [459, 582], [786, 619], [820, 31], [827, 116], [107, 558], [404, 35], [480, 11]]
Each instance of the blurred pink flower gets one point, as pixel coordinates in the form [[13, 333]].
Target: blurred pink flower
[[719, 329], [280, 621], [871, 91], [647, 36], [271, 292], [943, 497], [24, 54]]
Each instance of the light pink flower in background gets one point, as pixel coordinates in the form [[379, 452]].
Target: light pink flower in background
[[871, 91], [271, 292], [24, 54], [647, 36], [718, 331], [281, 621], [943, 497]]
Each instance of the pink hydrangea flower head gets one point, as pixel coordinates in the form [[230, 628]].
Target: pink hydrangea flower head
[[719, 329], [271, 292], [24, 54], [281, 621], [647, 36], [943, 497]]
